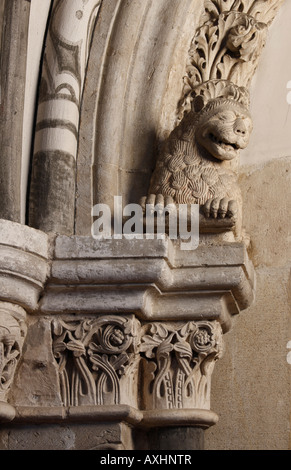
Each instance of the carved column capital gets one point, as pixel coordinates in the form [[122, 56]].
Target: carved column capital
[[178, 361], [97, 359], [12, 334], [161, 369]]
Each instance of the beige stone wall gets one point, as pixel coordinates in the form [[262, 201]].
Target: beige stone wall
[[270, 111], [252, 384]]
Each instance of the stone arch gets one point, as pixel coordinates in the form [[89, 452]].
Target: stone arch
[[138, 70]]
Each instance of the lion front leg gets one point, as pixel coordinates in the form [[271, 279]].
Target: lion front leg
[[157, 203], [220, 208]]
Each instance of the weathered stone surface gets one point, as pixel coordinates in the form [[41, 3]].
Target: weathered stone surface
[[37, 381], [267, 201], [178, 438], [52, 197], [105, 436], [255, 374], [25, 238]]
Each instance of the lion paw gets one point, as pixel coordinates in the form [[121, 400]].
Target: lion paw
[[157, 202], [220, 208]]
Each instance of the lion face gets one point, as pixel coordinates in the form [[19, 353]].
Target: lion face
[[224, 131]]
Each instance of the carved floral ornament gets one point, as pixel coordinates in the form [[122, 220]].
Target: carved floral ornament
[[178, 364], [228, 43], [113, 360], [12, 334], [92, 357], [226, 49]]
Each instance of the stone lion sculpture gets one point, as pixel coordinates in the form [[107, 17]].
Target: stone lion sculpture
[[196, 164]]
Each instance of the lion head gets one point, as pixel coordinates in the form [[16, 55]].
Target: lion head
[[220, 119], [224, 130]]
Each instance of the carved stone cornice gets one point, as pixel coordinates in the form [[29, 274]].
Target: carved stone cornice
[[79, 274], [144, 277]]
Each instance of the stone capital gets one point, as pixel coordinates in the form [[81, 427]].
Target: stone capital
[[12, 334]]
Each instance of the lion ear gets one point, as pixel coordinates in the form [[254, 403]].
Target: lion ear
[[198, 103]]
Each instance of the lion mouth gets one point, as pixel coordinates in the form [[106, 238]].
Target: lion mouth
[[223, 143]]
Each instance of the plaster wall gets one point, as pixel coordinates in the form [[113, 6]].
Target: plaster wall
[[269, 107]]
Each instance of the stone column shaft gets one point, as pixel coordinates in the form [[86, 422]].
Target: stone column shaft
[[12, 80]]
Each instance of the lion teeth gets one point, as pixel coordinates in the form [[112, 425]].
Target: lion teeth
[[225, 145]]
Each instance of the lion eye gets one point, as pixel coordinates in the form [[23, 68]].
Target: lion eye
[[227, 116]]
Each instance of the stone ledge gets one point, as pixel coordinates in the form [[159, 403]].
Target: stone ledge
[[153, 279], [112, 413], [176, 417], [82, 275], [75, 247], [117, 413]]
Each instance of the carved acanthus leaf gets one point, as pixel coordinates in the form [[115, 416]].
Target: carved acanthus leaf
[[93, 355], [178, 363], [261, 10], [227, 44], [12, 335]]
